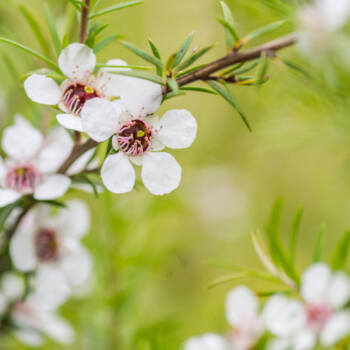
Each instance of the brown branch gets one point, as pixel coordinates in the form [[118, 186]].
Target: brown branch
[[84, 21], [234, 57]]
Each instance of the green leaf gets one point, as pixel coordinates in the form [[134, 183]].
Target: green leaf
[[5, 212], [144, 55], [183, 49], [30, 51], [194, 57], [172, 94], [294, 234], [117, 7], [230, 38], [105, 42], [104, 65], [297, 68], [76, 3], [189, 70], [197, 88], [86, 180], [141, 75], [319, 245], [228, 96], [55, 37], [172, 84], [262, 68], [53, 203], [156, 54], [230, 29], [341, 252], [109, 148], [243, 69], [10, 66], [262, 31], [35, 27]]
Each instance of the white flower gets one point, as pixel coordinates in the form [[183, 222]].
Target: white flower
[[137, 135], [34, 319], [32, 162], [207, 341], [11, 290], [77, 62], [51, 245], [242, 312]]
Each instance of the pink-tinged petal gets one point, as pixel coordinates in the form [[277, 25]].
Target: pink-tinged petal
[[42, 89], [337, 328], [58, 146], [99, 119], [76, 60], [53, 186], [69, 121], [178, 129], [207, 341], [118, 175], [339, 290], [161, 173], [141, 97], [22, 250], [21, 141]]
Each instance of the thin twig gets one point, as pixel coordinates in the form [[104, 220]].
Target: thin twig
[[84, 22]]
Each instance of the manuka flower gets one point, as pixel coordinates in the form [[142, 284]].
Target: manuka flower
[[32, 162], [137, 136], [51, 246], [77, 62]]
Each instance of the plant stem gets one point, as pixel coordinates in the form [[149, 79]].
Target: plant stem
[[84, 22]]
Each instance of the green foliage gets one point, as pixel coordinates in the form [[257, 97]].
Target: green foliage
[[319, 244], [141, 75], [183, 50], [156, 54], [228, 22], [263, 31], [341, 252], [114, 8], [196, 55], [54, 35]]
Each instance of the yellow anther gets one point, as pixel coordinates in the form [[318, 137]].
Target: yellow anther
[[88, 89]]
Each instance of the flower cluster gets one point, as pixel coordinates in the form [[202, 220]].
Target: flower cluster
[[320, 315]]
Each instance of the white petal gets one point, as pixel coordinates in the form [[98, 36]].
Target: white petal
[[241, 306], [58, 146], [80, 164], [112, 84], [207, 341], [42, 89], [58, 329], [160, 173], [141, 97], [8, 196], [21, 141], [315, 282], [70, 121], [178, 129], [279, 344], [53, 186], [336, 328], [51, 285], [4, 303], [22, 250], [99, 119], [29, 337], [339, 290], [117, 173], [13, 286], [2, 170], [76, 60], [74, 221], [136, 160], [156, 144], [304, 340], [284, 317], [77, 265]]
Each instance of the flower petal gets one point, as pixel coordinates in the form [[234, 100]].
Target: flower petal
[[161, 173], [304, 340], [42, 89], [29, 337], [54, 186], [207, 341], [58, 146], [284, 317], [21, 141], [112, 84], [58, 329], [315, 283], [339, 290], [80, 164], [8, 196], [70, 121], [12, 286], [241, 306], [76, 60], [141, 97], [178, 129], [99, 119], [336, 328], [22, 250], [2, 170], [118, 175], [74, 221]]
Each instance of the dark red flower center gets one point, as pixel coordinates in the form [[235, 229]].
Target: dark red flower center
[[23, 179], [76, 95], [46, 245], [135, 137]]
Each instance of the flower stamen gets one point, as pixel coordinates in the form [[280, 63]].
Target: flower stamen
[[23, 179]]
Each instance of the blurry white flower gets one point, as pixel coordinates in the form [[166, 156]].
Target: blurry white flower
[[208, 341], [137, 136], [11, 290], [33, 318], [77, 62], [319, 20], [32, 162], [51, 245]]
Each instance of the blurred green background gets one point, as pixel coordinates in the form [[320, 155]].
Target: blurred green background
[[154, 256]]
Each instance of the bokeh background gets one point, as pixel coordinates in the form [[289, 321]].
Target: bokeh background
[[154, 257]]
